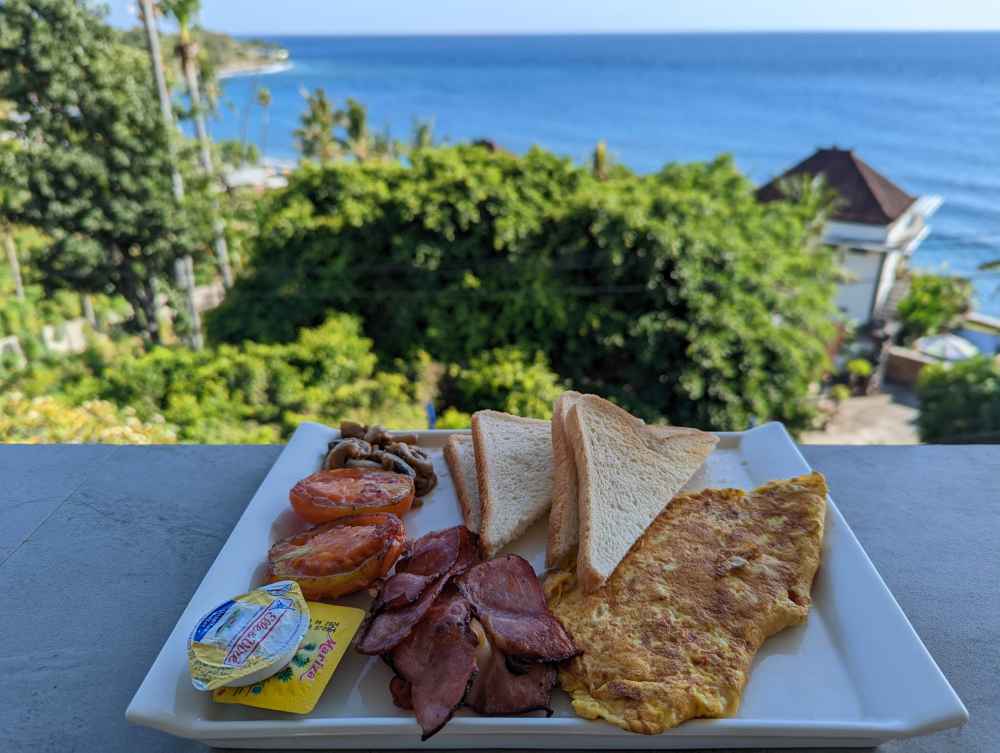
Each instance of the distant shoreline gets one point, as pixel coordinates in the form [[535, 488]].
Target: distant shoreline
[[253, 69]]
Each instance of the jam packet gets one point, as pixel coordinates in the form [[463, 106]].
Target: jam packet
[[298, 687], [248, 638]]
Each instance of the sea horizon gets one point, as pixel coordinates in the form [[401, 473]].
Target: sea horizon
[[919, 106], [584, 33]]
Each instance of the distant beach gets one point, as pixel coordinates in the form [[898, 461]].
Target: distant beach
[[920, 108], [253, 69]]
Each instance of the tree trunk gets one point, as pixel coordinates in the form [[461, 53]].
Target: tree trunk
[[265, 117], [185, 270], [166, 111], [188, 52], [141, 296], [87, 304], [15, 265]]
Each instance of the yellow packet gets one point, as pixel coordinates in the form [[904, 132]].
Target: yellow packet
[[249, 637], [298, 686]]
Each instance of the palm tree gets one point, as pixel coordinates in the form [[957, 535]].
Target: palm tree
[[166, 111], [315, 135], [423, 135], [358, 139], [184, 11], [264, 100], [147, 12], [601, 161]]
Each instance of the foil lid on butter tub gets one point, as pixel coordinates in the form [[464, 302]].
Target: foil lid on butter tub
[[248, 638]]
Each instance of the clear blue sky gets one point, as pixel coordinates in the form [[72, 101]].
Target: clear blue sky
[[548, 16]]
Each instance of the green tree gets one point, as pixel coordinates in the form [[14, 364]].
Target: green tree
[[960, 402], [504, 379], [264, 101], [184, 12], [357, 138], [676, 294], [236, 153], [185, 266], [600, 161], [315, 135], [423, 135], [935, 303], [95, 165]]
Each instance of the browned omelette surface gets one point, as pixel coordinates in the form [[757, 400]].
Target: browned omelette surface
[[673, 632]]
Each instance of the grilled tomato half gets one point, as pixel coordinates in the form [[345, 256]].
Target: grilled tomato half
[[337, 493], [339, 557]]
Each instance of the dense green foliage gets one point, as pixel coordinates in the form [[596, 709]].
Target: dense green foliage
[[247, 393], [51, 419], [328, 134], [676, 294], [935, 303], [960, 402], [503, 379], [315, 135], [93, 170]]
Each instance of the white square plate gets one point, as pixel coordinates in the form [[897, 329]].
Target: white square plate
[[855, 674]]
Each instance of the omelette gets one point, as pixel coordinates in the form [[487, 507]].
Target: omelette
[[673, 632]]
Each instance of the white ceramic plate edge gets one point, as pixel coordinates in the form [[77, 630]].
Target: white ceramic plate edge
[[929, 705]]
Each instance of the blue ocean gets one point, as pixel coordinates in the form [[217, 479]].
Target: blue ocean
[[924, 108]]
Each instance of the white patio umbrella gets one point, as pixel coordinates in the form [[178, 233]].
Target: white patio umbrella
[[946, 347]]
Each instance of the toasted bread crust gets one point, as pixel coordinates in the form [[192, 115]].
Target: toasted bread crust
[[564, 518], [452, 454]]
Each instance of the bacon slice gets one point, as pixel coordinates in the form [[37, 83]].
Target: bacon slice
[[498, 690], [508, 600], [385, 630], [420, 576], [438, 661], [401, 589], [453, 549]]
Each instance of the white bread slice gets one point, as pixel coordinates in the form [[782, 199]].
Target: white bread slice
[[564, 517], [514, 469], [564, 520], [461, 457], [627, 473]]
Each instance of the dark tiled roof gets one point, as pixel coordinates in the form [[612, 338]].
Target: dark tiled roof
[[867, 196]]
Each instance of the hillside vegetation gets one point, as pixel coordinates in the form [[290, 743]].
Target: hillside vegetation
[[675, 294]]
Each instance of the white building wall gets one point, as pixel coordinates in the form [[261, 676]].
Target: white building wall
[[854, 297], [838, 232]]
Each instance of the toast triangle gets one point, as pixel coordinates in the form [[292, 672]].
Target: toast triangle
[[627, 473], [514, 470]]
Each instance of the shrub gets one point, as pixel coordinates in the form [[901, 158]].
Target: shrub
[[960, 402], [453, 418], [503, 379], [934, 304], [840, 392], [677, 294], [860, 368], [50, 419], [248, 393]]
